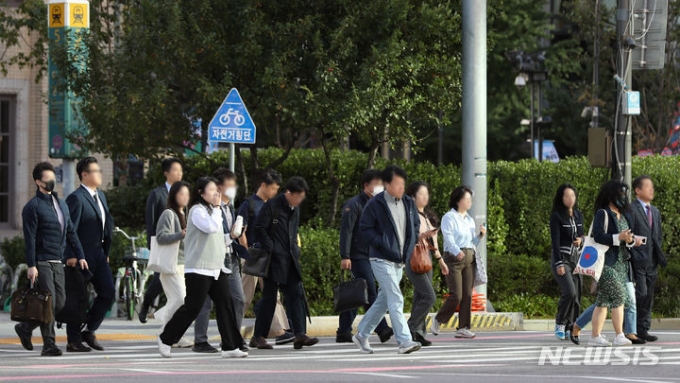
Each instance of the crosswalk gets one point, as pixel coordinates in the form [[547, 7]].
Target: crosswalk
[[491, 352]]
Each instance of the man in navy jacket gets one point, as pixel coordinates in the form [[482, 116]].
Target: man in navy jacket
[[390, 225], [47, 231], [94, 225], [354, 254]]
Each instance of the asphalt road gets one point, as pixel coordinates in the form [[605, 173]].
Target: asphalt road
[[491, 357]]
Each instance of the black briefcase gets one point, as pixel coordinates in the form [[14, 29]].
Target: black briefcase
[[349, 295], [257, 264], [75, 306]]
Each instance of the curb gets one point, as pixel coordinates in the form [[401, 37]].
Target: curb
[[549, 324]]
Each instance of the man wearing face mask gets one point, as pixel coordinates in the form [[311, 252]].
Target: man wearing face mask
[[48, 230], [354, 254]]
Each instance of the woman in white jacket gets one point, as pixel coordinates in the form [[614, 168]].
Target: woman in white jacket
[[172, 227]]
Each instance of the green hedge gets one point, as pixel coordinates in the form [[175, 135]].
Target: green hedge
[[520, 197]]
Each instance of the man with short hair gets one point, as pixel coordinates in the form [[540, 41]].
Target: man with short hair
[[268, 187], [645, 259], [354, 254], [276, 231], [390, 225], [156, 204], [47, 231], [94, 224]]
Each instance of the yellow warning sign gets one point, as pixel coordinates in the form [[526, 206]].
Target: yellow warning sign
[[79, 17], [56, 15]]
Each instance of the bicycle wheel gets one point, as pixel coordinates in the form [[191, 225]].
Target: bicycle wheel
[[129, 297]]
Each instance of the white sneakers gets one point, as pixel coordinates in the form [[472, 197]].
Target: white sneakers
[[183, 343], [236, 353], [435, 327], [621, 340], [164, 349], [465, 333], [599, 341], [363, 344], [409, 347]]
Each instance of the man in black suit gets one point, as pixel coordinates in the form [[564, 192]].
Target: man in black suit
[[156, 204], [646, 222], [94, 225], [276, 230]]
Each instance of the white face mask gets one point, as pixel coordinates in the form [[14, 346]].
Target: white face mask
[[230, 192], [377, 189]]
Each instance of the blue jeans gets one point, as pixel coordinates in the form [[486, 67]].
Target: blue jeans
[[361, 268], [629, 313], [388, 275]]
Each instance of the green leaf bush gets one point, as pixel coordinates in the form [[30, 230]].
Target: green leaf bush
[[519, 202]]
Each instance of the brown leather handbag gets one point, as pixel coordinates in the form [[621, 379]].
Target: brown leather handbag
[[421, 262], [32, 305]]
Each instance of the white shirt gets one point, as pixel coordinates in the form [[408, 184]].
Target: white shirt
[[459, 232], [60, 214], [167, 186], [93, 193], [208, 223], [227, 236]]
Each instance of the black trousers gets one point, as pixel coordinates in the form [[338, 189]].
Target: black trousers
[[294, 299], [645, 278], [571, 287], [199, 287], [153, 290], [50, 278]]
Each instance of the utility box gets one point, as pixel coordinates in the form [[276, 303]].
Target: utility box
[[599, 147]]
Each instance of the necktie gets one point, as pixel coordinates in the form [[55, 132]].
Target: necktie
[[101, 208], [649, 215]]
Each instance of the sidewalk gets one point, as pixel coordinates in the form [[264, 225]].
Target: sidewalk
[[118, 329]]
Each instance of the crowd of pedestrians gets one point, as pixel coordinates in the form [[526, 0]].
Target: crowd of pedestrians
[[381, 229], [633, 233]]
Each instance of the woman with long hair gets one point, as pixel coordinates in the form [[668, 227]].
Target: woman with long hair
[[424, 296], [566, 234], [460, 241], [611, 228], [172, 228], [205, 274]]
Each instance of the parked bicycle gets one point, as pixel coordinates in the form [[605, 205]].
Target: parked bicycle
[[6, 279], [131, 286]]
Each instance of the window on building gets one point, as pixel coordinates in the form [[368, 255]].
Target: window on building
[[6, 155]]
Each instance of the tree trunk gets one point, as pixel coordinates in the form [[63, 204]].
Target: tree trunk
[[372, 153]]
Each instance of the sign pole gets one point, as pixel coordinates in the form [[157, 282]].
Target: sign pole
[[67, 22], [474, 112], [232, 156]]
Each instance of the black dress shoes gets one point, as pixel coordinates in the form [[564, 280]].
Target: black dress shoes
[[204, 348], [51, 351], [574, 339], [77, 347], [304, 340], [24, 337], [91, 340], [343, 337], [648, 337], [420, 339]]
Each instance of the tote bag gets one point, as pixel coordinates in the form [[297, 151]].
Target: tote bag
[[163, 258], [591, 261]]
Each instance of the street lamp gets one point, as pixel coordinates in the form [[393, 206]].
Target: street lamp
[[532, 70]]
